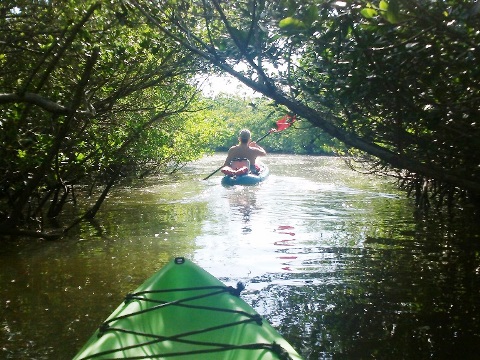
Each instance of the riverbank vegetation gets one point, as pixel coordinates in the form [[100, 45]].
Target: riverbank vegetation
[[259, 115], [92, 93], [86, 101]]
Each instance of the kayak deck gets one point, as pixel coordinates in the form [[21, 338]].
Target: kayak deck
[[248, 179], [183, 311]]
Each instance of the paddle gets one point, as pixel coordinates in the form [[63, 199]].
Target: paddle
[[282, 124]]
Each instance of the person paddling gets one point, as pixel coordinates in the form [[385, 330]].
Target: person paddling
[[246, 149]]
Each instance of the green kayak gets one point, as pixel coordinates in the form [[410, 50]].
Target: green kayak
[[184, 312]]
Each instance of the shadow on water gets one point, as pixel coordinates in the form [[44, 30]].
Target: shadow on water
[[335, 260], [415, 297]]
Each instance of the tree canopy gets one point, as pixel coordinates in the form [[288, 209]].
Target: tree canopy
[[88, 96], [396, 80]]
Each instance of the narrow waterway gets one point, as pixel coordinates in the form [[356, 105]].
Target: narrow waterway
[[334, 259]]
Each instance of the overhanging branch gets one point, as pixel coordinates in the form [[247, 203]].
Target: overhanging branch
[[35, 99]]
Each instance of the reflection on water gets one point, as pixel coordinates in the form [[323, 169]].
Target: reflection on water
[[334, 259]]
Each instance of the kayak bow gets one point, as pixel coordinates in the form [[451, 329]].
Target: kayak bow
[[183, 311]]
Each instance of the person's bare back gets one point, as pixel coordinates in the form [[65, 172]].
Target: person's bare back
[[246, 149]]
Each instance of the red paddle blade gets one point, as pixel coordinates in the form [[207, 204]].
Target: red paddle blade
[[284, 123]]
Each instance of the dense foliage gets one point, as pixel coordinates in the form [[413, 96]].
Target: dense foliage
[[259, 115], [94, 91], [87, 97], [396, 80]]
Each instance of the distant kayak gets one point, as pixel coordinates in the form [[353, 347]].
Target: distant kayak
[[184, 312], [248, 178]]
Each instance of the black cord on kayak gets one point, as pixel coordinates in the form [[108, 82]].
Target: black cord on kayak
[[231, 290], [180, 338], [180, 302], [160, 291], [274, 348], [281, 352], [162, 304], [209, 347]]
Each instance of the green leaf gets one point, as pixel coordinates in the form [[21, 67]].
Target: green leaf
[[369, 13], [391, 17], [393, 12], [311, 15], [290, 23], [383, 5]]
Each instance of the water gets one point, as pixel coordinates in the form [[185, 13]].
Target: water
[[334, 259]]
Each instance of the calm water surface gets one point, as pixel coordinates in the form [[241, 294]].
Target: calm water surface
[[334, 259]]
